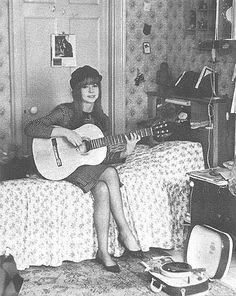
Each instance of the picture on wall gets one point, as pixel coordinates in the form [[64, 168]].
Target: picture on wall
[[146, 47], [63, 47]]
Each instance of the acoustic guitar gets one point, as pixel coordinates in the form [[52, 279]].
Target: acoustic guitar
[[56, 158]]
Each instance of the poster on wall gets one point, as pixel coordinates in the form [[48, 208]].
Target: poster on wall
[[63, 48]]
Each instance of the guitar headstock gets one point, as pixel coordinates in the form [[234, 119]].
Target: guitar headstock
[[163, 129]]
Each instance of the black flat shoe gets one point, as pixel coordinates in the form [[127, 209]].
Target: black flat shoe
[[112, 268], [135, 254]]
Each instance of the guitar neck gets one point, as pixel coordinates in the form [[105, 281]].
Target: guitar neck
[[118, 139]]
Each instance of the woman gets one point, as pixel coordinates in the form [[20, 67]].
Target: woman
[[102, 179]]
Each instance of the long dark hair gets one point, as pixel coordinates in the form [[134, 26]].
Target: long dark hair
[[97, 108]]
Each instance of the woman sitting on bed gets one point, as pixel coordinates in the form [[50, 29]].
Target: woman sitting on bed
[[102, 180]]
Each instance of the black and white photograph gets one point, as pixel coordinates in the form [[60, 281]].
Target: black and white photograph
[[63, 50], [117, 148], [146, 47]]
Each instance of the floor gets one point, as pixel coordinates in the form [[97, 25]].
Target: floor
[[229, 278]]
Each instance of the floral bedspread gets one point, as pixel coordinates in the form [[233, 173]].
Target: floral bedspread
[[45, 222]]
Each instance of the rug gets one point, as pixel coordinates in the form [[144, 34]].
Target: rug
[[88, 278]]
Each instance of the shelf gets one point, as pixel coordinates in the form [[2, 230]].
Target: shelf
[[200, 21], [202, 100]]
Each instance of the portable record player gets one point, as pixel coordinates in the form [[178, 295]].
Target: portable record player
[[208, 256]]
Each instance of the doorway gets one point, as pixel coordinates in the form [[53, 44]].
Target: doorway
[[37, 87]]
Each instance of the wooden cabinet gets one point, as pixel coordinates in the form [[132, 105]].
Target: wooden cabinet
[[213, 205], [210, 125]]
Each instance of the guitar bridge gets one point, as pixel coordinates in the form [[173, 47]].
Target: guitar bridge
[[56, 153]]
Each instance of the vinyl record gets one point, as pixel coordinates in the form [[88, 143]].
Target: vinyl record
[[176, 269]]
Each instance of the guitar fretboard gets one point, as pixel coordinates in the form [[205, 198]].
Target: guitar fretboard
[[118, 139]]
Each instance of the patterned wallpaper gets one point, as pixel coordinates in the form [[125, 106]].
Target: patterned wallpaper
[[169, 43], [164, 31], [5, 104], [152, 13], [183, 55]]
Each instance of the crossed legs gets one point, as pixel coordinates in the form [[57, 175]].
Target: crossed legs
[[107, 198]]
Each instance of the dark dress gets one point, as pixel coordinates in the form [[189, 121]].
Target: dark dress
[[86, 176]]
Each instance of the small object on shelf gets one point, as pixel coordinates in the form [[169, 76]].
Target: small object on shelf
[[164, 80], [204, 6], [201, 3], [200, 19], [200, 124], [202, 24], [207, 175], [192, 20], [228, 164]]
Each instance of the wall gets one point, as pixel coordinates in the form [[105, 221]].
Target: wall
[[183, 55], [5, 97], [136, 17], [168, 43]]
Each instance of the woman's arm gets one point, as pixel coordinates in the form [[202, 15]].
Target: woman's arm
[[119, 156], [51, 125], [42, 127], [72, 136]]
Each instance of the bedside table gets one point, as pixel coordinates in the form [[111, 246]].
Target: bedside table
[[214, 205]]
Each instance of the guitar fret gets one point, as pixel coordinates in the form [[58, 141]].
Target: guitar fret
[[117, 139], [120, 138], [104, 141], [93, 144], [108, 140], [99, 142]]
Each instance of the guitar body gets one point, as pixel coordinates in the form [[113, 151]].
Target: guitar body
[[56, 158], [59, 164]]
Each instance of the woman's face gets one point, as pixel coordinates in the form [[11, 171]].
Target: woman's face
[[90, 92]]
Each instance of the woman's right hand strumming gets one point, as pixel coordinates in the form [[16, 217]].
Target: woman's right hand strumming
[[73, 137]]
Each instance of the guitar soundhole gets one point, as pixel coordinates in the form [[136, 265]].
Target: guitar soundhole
[[87, 145]]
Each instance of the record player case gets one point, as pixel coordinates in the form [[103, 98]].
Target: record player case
[[213, 205]]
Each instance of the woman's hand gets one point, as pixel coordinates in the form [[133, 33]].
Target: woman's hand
[[130, 144], [73, 137]]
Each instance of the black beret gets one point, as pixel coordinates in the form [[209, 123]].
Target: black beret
[[82, 73]]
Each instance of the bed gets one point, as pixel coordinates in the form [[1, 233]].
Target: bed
[[46, 222]]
